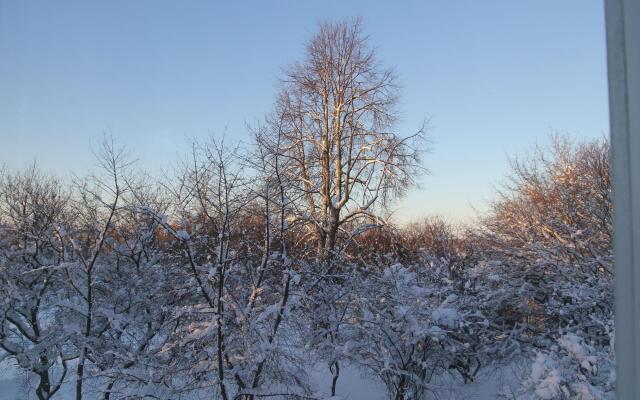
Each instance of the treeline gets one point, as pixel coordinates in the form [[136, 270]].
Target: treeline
[[252, 265]]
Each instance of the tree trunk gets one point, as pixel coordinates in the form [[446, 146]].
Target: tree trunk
[[87, 333], [335, 372], [43, 390]]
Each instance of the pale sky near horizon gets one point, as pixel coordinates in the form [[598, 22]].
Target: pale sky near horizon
[[493, 78]]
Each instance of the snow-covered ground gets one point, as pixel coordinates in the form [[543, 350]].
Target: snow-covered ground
[[352, 385], [12, 386]]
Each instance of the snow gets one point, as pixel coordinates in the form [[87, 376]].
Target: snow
[[545, 378], [573, 345], [352, 385], [446, 316]]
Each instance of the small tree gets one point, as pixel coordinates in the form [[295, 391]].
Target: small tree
[[95, 206], [33, 253]]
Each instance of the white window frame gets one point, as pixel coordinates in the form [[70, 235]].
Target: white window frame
[[623, 58]]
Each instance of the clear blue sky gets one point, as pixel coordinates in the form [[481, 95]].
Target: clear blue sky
[[493, 77]]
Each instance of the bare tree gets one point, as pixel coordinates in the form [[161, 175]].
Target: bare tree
[[33, 219], [136, 320], [337, 110], [335, 118], [95, 208]]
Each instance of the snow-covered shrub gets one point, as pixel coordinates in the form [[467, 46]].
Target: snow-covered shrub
[[542, 272], [408, 326], [571, 369]]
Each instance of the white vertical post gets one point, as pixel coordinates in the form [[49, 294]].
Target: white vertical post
[[623, 54]]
